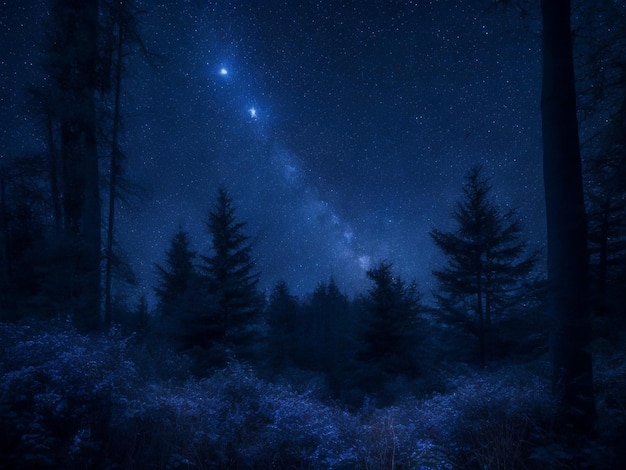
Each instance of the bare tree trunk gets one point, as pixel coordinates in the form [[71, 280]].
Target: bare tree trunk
[[77, 80], [53, 168], [4, 250], [115, 170], [568, 262], [481, 319]]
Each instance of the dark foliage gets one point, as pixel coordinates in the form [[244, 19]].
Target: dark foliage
[[231, 281], [73, 69], [73, 401], [568, 263], [389, 336], [282, 313], [486, 277], [73, 398]]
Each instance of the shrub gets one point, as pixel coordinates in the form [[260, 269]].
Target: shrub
[[69, 401], [57, 393]]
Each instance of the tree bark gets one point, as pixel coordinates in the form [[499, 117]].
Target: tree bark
[[4, 248], [568, 262], [54, 178], [115, 170], [76, 79]]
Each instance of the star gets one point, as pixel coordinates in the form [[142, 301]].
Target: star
[[223, 71], [252, 112]]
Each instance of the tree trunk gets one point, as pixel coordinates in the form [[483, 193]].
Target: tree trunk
[[568, 263], [4, 249], [54, 177], [481, 319], [77, 80], [603, 267], [115, 169]]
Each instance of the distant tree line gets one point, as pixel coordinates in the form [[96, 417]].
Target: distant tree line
[[210, 307]]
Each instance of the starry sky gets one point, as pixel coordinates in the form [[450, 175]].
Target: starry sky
[[341, 129]]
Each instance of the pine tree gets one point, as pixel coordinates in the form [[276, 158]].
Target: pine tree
[[176, 277], [232, 280], [606, 209], [390, 334], [600, 40], [487, 264], [325, 333], [183, 308], [120, 31], [282, 314], [24, 247], [73, 67]]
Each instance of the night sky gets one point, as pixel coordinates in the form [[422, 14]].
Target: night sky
[[342, 130]]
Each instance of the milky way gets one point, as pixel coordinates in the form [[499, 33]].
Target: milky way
[[342, 130]]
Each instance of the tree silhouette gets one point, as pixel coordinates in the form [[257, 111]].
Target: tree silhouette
[[605, 192], [390, 328], [232, 280], [120, 29], [281, 314], [177, 276], [487, 265], [73, 68], [599, 43], [568, 265]]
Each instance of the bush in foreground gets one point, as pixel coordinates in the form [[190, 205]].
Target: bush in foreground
[[72, 401]]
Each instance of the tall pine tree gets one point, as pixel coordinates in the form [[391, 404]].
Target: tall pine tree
[[281, 314], [325, 331], [185, 316], [73, 68], [177, 276], [389, 337], [487, 262], [232, 281]]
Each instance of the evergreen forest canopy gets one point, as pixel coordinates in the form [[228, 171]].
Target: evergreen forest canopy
[[220, 374]]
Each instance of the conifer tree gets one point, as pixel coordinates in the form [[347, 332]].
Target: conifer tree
[[24, 251], [73, 67], [177, 276], [232, 281], [390, 332], [282, 314], [183, 308], [487, 264], [330, 332], [120, 34]]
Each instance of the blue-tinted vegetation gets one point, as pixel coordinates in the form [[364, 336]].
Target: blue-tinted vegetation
[[500, 364], [106, 401]]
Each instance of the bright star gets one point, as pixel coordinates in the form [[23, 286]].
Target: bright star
[[252, 112], [223, 71]]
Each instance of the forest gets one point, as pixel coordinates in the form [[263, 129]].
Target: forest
[[517, 360]]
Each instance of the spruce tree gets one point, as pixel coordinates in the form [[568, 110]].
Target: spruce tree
[[390, 332], [281, 314], [176, 277], [329, 332], [605, 193], [73, 68], [487, 262], [120, 35], [183, 308], [232, 281]]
